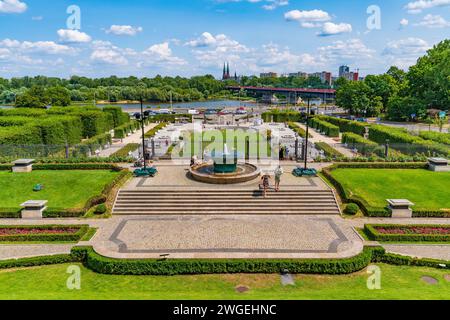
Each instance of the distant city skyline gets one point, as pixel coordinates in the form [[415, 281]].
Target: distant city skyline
[[196, 37]]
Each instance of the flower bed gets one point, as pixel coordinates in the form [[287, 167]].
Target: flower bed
[[413, 233], [44, 233]]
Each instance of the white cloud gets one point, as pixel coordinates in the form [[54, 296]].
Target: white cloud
[[124, 30], [47, 47], [162, 54], [346, 51], [420, 5], [105, 52], [404, 22], [73, 36], [273, 4], [330, 28], [405, 52], [307, 16], [220, 42], [12, 6], [267, 4], [431, 21]]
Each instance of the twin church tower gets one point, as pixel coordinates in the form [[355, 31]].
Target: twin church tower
[[226, 73]]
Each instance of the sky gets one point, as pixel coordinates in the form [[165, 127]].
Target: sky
[[98, 38]]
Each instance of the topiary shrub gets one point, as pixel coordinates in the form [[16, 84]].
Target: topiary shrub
[[101, 209], [351, 209]]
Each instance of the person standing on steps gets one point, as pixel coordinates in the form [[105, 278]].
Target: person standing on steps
[[265, 181], [278, 173]]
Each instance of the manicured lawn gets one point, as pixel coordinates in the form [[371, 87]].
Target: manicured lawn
[[49, 282], [428, 190], [63, 189]]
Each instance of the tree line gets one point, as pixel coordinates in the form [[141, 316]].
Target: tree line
[[400, 95]]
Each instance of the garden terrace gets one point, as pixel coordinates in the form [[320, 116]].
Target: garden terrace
[[66, 190], [344, 125], [438, 137], [371, 185], [325, 127]]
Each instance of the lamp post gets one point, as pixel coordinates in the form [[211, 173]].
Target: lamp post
[[143, 131], [307, 134]]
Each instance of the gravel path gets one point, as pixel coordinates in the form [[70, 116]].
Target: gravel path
[[25, 251], [441, 252]]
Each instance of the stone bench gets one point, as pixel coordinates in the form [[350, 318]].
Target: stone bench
[[438, 165], [400, 208], [33, 209], [23, 165]]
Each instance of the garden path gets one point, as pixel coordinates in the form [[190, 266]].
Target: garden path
[[318, 137]]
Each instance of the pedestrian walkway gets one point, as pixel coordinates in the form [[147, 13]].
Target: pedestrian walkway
[[117, 145], [317, 137]]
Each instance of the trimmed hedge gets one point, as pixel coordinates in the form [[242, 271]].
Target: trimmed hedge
[[104, 265], [45, 237], [282, 116], [344, 125], [301, 132], [364, 146], [325, 127], [401, 140], [443, 138], [328, 150], [371, 231], [131, 147], [151, 133], [37, 261]]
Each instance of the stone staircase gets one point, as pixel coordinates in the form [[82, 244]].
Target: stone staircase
[[221, 201]]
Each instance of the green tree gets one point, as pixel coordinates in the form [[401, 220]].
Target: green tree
[[354, 98]]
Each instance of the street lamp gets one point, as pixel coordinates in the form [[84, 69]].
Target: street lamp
[[307, 134], [143, 131]]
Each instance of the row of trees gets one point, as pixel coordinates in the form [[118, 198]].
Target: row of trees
[[41, 91], [402, 95]]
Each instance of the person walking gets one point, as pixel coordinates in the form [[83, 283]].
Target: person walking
[[265, 181], [278, 173]]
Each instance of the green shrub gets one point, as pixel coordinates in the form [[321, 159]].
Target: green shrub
[[364, 146], [282, 116], [328, 150], [301, 132], [14, 121], [131, 147], [101, 209], [151, 133], [325, 127], [344, 125], [104, 265], [401, 140], [443, 138], [118, 116], [351, 209], [37, 261]]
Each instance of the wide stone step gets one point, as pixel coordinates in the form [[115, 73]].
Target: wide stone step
[[227, 201], [235, 206], [229, 212], [209, 191], [258, 197]]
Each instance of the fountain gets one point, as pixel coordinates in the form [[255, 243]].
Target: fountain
[[225, 169]]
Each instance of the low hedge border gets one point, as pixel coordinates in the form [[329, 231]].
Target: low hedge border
[[45, 237], [104, 265], [123, 152], [37, 261], [371, 231], [328, 150], [362, 203]]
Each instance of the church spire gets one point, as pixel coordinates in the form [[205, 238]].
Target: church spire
[[228, 70]]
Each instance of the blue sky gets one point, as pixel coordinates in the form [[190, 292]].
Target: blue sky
[[192, 37]]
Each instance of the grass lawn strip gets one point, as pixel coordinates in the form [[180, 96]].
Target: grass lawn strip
[[62, 189], [399, 283], [428, 190]]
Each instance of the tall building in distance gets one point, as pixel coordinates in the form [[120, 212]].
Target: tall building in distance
[[344, 72]]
